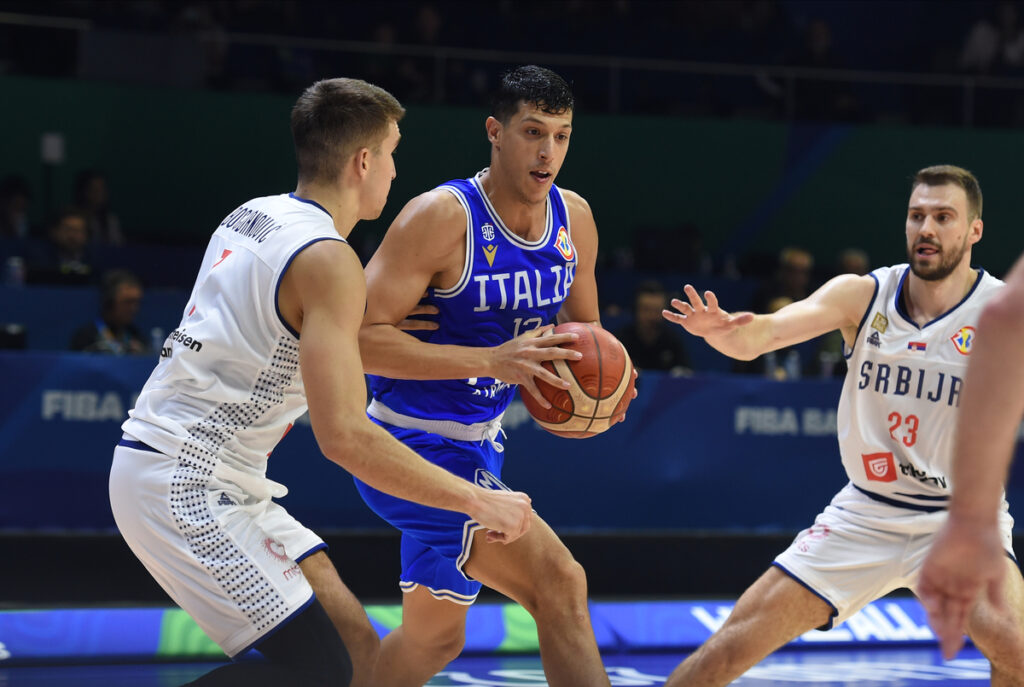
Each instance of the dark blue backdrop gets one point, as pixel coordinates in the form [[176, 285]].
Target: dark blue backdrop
[[707, 452]]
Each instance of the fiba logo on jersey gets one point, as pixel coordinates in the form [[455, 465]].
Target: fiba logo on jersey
[[879, 467], [564, 245], [487, 231], [963, 340]]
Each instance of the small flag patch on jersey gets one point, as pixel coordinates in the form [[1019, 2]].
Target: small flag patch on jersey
[[963, 340], [489, 252], [917, 346]]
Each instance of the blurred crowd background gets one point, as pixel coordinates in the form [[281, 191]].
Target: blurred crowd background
[[757, 147]]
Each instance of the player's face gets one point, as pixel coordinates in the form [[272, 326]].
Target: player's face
[[939, 232], [381, 173], [531, 148]]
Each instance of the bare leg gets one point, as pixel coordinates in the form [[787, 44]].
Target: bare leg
[[999, 633], [430, 637], [773, 611], [539, 573], [346, 613]]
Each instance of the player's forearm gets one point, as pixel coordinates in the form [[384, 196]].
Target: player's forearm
[[990, 410], [371, 454], [746, 342], [390, 352]]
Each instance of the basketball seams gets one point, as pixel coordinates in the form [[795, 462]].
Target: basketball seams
[[579, 412]]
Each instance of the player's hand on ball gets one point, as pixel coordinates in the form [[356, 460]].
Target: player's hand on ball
[[704, 319], [518, 361], [505, 514]]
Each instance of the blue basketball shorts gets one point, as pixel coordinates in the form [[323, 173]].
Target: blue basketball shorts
[[436, 543]]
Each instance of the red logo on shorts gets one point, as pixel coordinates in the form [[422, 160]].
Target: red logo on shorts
[[275, 549], [815, 533], [879, 467]]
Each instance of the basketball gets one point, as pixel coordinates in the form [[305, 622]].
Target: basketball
[[600, 385]]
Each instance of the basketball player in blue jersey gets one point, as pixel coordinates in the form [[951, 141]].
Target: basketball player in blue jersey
[[909, 331], [966, 560], [500, 256], [271, 331]]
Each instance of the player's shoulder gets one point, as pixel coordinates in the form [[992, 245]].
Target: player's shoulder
[[436, 209], [574, 202]]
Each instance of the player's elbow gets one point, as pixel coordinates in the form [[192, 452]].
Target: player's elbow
[[343, 442]]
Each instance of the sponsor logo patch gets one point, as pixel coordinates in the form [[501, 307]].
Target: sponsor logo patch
[[879, 467]]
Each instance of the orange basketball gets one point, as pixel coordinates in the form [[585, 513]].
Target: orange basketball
[[600, 385]]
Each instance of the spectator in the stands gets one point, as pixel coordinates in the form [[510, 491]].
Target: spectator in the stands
[[64, 258], [650, 340], [15, 199], [92, 195], [114, 330], [792, 279]]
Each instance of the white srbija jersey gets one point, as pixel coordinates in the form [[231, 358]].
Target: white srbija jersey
[[899, 403], [228, 387]]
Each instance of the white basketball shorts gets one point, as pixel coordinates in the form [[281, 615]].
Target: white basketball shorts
[[225, 556], [860, 549]]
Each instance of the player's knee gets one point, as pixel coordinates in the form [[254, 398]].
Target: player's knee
[[445, 646], [563, 590], [569, 578]]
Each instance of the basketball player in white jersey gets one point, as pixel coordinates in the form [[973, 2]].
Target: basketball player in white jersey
[[271, 330], [908, 333], [966, 560], [499, 255]]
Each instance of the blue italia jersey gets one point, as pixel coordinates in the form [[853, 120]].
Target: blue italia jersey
[[508, 286]]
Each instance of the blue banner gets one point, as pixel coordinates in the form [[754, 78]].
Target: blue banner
[[146, 634], [715, 452]]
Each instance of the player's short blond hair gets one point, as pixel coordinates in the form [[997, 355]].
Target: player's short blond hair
[[333, 119], [940, 175]]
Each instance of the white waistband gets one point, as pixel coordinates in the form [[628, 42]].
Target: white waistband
[[478, 431]]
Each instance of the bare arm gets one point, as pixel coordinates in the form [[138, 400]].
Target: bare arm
[[838, 304], [322, 296], [582, 304], [424, 247], [967, 558]]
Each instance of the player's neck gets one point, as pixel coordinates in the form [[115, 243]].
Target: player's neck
[[521, 216], [926, 300], [341, 205]]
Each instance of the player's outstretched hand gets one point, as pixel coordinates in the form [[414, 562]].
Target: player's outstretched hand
[[518, 361], [965, 564], [505, 514], [704, 319]]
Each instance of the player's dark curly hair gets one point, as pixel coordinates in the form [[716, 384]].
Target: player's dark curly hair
[[534, 85]]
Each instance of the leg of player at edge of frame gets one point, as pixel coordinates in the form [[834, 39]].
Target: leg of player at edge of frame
[[347, 615], [772, 612], [538, 572]]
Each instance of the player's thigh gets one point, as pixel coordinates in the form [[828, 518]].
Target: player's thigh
[[536, 560], [773, 611], [999, 632]]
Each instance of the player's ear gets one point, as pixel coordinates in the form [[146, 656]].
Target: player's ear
[[362, 161], [977, 226], [493, 127]]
